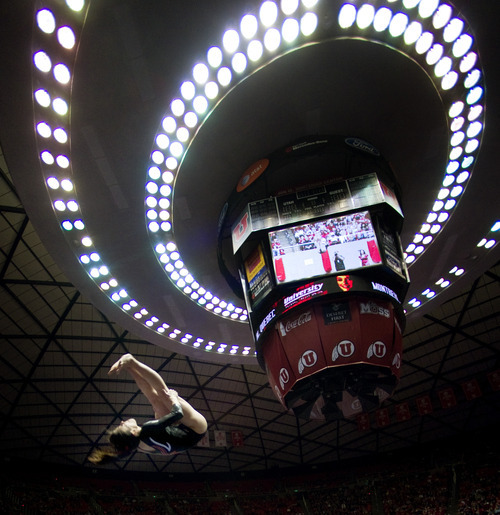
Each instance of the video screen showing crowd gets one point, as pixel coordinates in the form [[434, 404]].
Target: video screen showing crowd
[[337, 244]]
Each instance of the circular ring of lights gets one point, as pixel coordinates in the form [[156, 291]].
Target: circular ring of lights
[[405, 25], [287, 28]]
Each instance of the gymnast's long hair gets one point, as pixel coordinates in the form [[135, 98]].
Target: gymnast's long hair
[[122, 443]]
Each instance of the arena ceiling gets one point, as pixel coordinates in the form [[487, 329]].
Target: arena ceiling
[[60, 334]]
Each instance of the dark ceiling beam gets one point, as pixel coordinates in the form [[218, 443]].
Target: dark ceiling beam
[[14, 246], [30, 282], [12, 209], [254, 411], [454, 331]]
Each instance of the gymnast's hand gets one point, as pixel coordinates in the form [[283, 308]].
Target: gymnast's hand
[[121, 364]]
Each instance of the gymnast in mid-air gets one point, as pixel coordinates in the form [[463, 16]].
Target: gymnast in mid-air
[[176, 428]]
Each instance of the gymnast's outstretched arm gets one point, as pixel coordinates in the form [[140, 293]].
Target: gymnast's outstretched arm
[[149, 382], [161, 398]]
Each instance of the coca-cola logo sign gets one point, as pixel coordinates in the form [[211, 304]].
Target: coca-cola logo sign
[[290, 325]]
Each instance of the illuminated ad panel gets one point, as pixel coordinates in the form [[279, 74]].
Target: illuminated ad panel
[[328, 287], [334, 245], [257, 275]]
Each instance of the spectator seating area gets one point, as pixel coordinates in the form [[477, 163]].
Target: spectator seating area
[[426, 484]]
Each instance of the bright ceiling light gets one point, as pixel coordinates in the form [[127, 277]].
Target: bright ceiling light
[[182, 134], [214, 56], [442, 16], [472, 78], [169, 124], [268, 13], [188, 90], [224, 76], [308, 23], [443, 66], [410, 4], [60, 106], [456, 109], [452, 167], [231, 41], [52, 183], [462, 45], [154, 172], [47, 157], [475, 112], [434, 54], [456, 191], [177, 107], [365, 16], [448, 180], [60, 135], [424, 43], [382, 19], [474, 129], [467, 161], [46, 21], [457, 138], [66, 37], [157, 157], [255, 50], [290, 30], [42, 97], [211, 92], [200, 73], [449, 80], [249, 26], [239, 62], [426, 8], [162, 140], [61, 73], [474, 95], [176, 149], [153, 226], [398, 24], [75, 5], [168, 178], [347, 16], [455, 153], [190, 118], [453, 30], [462, 176], [272, 39], [44, 129], [200, 104], [62, 161], [468, 62], [288, 7], [42, 61], [171, 163], [457, 123], [413, 33]]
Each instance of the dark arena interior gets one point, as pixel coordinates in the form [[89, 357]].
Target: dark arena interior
[[289, 210]]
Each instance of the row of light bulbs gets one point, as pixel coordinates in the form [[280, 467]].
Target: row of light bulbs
[[52, 101], [488, 242]]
